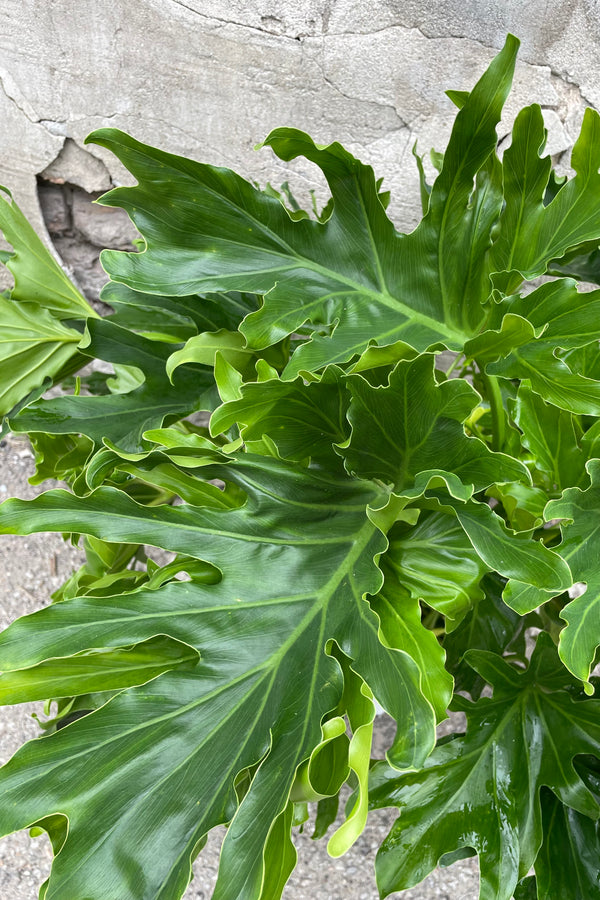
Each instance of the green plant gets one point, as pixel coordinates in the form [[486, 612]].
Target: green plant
[[354, 522]]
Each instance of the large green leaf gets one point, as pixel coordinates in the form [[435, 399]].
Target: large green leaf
[[531, 232], [580, 547], [564, 319], [122, 418], [353, 270], [261, 688], [483, 790], [33, 347]]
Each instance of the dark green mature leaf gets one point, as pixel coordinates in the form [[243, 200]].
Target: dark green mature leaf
[[33, 346], [169, 318], [526, 889], [491, 625], [353, 270], [567, 864], [59, 456], [122, 418], [579, 546], [263, 673], [413, 425], [303, 420], [483, 790]]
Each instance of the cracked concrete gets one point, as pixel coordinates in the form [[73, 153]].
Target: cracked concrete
[[184, 75]]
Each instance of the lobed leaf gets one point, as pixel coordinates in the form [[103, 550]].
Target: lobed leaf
[[352, 271], [264, 675], [580, 510], [121, 418], [33, 346], [483, 790]]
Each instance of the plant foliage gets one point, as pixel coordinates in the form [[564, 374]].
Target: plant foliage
[[350, 517]]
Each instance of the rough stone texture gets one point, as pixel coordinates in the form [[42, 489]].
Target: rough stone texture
[[78, 229], [209, 80]]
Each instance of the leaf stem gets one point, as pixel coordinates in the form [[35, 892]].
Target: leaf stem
[[458, 358], [494, 397]]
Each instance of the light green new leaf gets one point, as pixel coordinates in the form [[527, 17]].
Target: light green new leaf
[[352, 271], [38, 277], [483, 790], [201, 348], [122, 418], [279, 855], [33, 346], [580, 547], [361, 715], [513, 332], [261, 688], [413, 425]]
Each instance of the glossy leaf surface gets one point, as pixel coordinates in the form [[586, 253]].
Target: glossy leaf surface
[[579, 546], [372, 461], [495, 773], [352, 269]]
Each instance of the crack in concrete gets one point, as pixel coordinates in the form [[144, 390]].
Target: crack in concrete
[[374, 102], [57, 128], [28, 113], [221, 21], [379, 103]]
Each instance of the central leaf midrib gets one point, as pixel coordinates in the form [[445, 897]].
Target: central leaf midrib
[[299, 261]]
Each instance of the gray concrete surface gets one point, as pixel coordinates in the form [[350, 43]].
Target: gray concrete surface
[[30, 569]]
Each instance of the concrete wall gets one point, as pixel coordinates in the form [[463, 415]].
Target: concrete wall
[[209, 79]]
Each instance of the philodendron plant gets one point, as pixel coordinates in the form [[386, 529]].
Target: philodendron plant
[[359, 518]]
